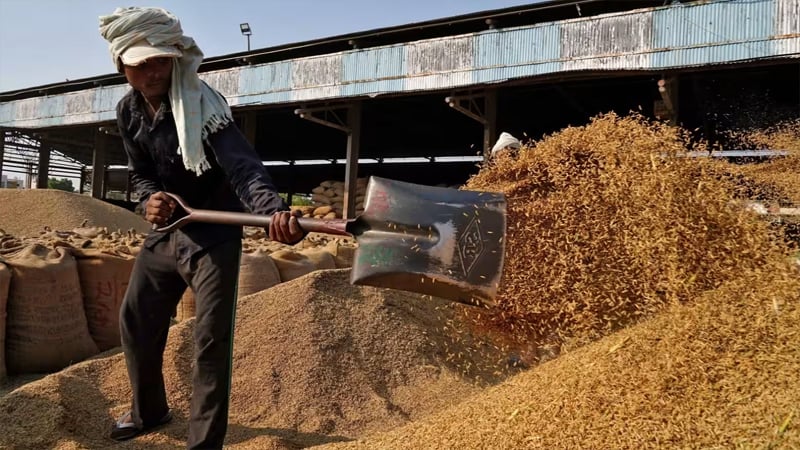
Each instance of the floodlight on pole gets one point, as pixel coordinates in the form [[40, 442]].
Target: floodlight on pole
[[246, 31]]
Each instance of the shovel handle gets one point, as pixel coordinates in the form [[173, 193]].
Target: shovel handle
[[329, 226]]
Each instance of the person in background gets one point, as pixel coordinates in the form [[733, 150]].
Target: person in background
[[506, 145], [180, 137]]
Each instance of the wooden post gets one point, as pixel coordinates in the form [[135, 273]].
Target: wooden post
[[99, 163], [44, 165], [351, 168]]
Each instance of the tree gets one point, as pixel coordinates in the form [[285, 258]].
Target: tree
[[298, 199], [63, 184]]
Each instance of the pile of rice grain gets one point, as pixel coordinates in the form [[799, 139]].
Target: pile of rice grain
[[721, 372], [316, 360], [607, 225], [25, 212]]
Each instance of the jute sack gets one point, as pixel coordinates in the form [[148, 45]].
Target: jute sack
[[292, 264], [104, 279], [46, 327], [186, 306], [321, 198], [256, 273], [342, 254], [5, 281], [320, 257], [322, 210]]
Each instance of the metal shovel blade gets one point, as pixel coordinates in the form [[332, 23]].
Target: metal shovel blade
[[442, 242]]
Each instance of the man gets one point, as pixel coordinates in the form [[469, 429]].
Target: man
[[506, 145], [180, 137]]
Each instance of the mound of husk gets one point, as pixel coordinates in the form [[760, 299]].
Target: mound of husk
[[720, 372], [26, 212], [316, 360], [607, 224]]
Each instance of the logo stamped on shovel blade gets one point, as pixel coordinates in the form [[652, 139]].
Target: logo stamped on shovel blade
[[470, 246]]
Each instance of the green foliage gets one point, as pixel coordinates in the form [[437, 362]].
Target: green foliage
[[298, 200], [63, 184]]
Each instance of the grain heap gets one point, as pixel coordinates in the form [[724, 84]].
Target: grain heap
[[26, 212], [718, 373], [316, 360], [716, 367], [606, 225]]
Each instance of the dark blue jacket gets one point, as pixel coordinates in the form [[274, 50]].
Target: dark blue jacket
[[236, 181]]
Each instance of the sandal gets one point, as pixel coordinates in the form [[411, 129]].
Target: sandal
[[124, 428]]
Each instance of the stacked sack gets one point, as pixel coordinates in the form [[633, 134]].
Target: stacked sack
[[60, 294], [61, 291], [328, 198]]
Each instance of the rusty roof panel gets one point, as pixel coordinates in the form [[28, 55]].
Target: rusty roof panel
[[672, 37]]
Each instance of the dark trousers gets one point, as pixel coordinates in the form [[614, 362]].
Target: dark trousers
[[157, 282]]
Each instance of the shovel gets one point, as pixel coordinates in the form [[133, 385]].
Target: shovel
[[437, 241]]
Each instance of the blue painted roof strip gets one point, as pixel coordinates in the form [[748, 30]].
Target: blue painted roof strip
[[671, 37]]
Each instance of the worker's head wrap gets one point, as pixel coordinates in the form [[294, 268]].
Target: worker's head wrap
[[198, 109], [506, 141]]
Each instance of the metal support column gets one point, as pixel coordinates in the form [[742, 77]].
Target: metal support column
[[82, 180], [2, 150], [44, 165], [105, 183], [481, 107], [490, 126], [668, 89], [351, 126], [128, 186], [99, 163], [290, 188], [351, 169], [249, 127]]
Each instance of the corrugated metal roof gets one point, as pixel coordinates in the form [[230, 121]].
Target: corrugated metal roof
[[671, 37], [540, 12], [787, 17]]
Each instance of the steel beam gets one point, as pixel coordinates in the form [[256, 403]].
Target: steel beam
[[99, 163], [351, 169], [481, 107], [328, 116], [2, 149], [43, 167], [668, 89]]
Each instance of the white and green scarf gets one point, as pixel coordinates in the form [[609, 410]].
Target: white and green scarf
[[198, 109]]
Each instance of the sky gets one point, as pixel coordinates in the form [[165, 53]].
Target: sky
[[50, 41]]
